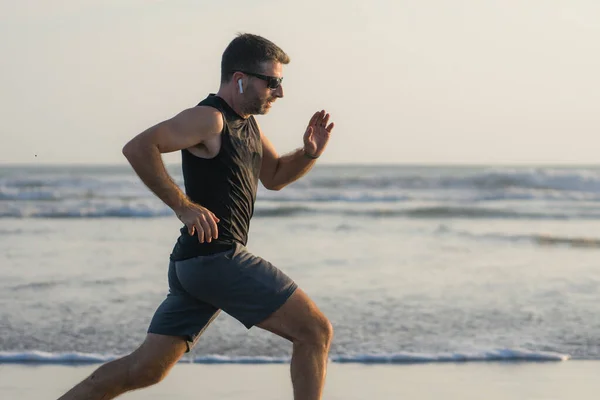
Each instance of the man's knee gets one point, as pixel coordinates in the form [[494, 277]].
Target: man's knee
[[318, 331], [326, 331], [144, 373], [152, 361]]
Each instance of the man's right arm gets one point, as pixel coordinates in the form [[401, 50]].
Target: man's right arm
[[189, 128]]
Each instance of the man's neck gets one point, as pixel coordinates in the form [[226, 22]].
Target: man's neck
[[231, 101]]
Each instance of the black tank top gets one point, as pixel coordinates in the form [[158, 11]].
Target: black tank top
[[225, 184]]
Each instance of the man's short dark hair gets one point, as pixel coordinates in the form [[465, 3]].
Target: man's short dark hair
[[246, 52]]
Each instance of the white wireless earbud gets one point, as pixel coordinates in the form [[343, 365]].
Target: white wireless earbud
[[240, 86]]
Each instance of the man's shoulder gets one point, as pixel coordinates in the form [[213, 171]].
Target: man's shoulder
[[205, 120]]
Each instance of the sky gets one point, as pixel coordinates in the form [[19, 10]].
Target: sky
[[406, 82]]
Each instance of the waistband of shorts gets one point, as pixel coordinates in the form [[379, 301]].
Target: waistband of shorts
[[205, 249]]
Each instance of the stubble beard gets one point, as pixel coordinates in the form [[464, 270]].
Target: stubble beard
[[257, 106]]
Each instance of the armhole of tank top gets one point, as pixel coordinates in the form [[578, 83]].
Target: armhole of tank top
[[222, 134]]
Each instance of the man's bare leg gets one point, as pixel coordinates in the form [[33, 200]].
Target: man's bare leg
[[300, 321], [147, 365]]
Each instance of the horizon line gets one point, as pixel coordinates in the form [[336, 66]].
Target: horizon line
[[333, 164]]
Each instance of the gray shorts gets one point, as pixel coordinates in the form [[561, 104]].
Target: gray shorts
[[243, 285]]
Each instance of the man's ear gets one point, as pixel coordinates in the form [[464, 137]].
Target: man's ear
[[239, 80]]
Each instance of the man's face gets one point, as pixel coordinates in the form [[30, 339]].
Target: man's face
[[260, 96]]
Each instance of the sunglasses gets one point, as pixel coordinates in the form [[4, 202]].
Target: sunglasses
[[272, 81]]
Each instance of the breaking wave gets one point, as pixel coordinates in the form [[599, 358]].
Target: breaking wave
[[515, 355]]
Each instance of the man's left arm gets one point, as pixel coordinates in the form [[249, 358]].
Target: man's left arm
[[277, 172]]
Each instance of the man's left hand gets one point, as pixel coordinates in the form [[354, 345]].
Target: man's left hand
[[317, 134]]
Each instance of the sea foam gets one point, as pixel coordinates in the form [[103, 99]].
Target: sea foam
[[515, 355]]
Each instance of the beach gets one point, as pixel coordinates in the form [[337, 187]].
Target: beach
[[456, 381], [440, 283]]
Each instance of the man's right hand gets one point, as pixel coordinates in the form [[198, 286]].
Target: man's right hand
[[199, 219]]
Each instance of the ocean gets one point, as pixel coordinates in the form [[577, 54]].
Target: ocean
[[411, 264]]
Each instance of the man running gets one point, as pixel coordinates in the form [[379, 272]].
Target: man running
[[224, 154]]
